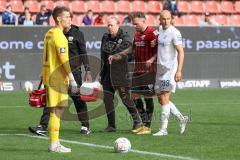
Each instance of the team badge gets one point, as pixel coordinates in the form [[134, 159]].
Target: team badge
[[120, 41], [62, 50], [70, 39], [143, 36]]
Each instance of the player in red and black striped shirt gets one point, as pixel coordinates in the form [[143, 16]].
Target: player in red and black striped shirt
[[144, 75]]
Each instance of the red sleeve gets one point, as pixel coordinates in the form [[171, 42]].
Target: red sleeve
[[153, 34]]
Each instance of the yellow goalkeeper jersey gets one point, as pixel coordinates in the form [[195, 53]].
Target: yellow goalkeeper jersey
[[56, 66]]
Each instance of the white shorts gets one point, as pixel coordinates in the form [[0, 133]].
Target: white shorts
[[166, 81]]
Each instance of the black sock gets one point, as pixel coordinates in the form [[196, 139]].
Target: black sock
[[141, 109], [149, 111]]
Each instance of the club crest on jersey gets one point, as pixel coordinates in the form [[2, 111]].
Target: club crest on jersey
[[70, 39], [143, 36], [62, 50], [119, 41]]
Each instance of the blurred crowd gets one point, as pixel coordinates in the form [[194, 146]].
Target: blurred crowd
[[44, 16]]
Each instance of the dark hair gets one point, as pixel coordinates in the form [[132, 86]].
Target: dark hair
[[138, 15], [57, 11], [89, 11], [43, 6]]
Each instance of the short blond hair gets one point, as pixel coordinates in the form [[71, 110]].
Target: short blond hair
[[114, 18]]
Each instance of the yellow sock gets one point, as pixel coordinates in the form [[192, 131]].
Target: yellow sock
[[53, 127]]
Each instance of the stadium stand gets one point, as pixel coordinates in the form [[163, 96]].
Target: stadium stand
[[225, 12], [63, 3], [94, 6], [191, 20], [139, 6], [48, 3], [78, 7], [109, 7], [17, 6], [183, 6], [3, 5], [235, 20], [154, 7], [212, 7], [124, 6], [221, 19], [237, 6], [227, 7], [32, 5], [197, 7]]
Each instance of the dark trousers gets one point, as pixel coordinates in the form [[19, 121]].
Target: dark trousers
[[124, 94], [81, 109]]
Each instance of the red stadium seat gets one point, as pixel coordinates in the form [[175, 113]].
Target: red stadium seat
[[150, 20], [154, 7], [197, 7], [3, 4], [78, 7], [191, 20], [120, 18], [17, 6], [237, 6], [124, 7], [108, 7], [75, 20], [94, 6], [212, 7], [227, 7], [221, 19], [139, 6], [235, 20], [179, 21], [62, 3], [183, 6], [32, 5], [48, 3]]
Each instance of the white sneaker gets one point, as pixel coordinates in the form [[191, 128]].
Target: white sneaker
[[183, 124], [57, 147], [161, 132]]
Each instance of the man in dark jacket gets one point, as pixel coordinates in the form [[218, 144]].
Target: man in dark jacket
[[114, 73], [43, 16], [77, 56]]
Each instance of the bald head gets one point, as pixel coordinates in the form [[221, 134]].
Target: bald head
[[165, 13], [165, 19]]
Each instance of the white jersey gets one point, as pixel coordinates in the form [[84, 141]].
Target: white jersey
[[167, 53], [167, 59]]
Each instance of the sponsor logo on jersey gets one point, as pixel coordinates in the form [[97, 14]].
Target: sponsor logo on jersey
[[62, 50], [70, 39]]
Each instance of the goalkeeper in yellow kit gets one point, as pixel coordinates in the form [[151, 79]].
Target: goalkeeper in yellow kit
[[56, 74]]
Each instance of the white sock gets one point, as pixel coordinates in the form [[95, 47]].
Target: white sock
[[165, 115], [175, 111]]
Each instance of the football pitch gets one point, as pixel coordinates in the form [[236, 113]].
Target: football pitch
[[212, 134]]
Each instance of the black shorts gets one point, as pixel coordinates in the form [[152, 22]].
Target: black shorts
[[143, 83]]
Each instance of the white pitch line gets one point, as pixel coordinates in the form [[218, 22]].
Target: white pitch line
[[106, 147]]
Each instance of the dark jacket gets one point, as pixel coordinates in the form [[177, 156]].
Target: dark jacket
[[43, 18], [77, 52], [117, 72]]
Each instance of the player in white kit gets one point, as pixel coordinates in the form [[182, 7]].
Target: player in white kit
[[170, 57]]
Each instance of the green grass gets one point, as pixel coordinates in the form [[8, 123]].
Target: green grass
[[212, 134]]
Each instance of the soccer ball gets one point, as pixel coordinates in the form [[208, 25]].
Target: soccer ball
[[122, 145]]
